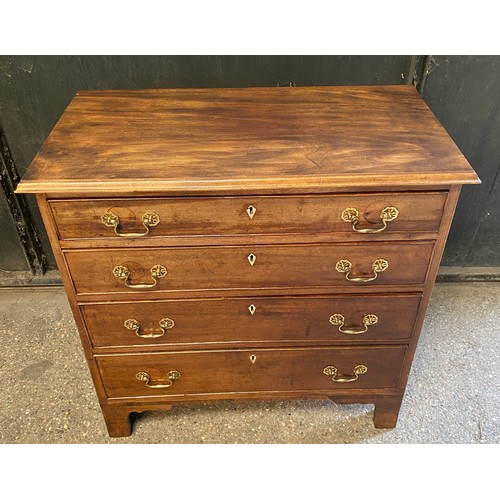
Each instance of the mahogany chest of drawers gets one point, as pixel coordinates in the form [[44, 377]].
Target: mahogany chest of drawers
[[248, 243]]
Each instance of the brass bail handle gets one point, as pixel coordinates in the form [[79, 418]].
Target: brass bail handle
[[339, 320], [345, 266], [123, 273], [172, 376], [332, 371], [110, 219], [387, 214], [135, 326]]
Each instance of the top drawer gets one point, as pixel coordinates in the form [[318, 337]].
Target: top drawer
[[148, 218]]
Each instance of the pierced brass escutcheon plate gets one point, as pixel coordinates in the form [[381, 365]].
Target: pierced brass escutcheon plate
[[135, 326], [339, 320], [332, 371], [157, 271], [345, 266], [387, 214], [110, 219], [171, 377]]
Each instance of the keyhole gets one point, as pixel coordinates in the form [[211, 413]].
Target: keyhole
[[251, 308], [253, 358], [252, 258], [251, 211]]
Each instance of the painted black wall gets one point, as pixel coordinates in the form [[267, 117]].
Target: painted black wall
[[12, 257], [463, 91]]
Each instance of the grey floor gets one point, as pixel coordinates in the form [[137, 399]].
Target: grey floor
[[453, 394]]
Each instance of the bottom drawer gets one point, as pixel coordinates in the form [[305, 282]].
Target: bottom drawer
[[258, 370]]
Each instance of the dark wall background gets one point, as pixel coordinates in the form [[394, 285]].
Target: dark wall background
[[463, 92]]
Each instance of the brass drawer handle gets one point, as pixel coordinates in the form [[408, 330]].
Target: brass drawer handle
[[387, 214], [123, 273], [110, 219], [332, 371], [172, 376], [345, 266], [135, 326], [339, 320]]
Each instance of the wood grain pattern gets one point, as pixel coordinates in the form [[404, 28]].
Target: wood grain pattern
[[70, 292], [262, 139], [220, 268], [232, 371], [180, 217], [211, 322], [139, 151]]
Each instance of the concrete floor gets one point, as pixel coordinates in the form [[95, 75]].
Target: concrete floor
[[453, 394]]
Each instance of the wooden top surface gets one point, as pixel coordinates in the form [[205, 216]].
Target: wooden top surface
[[250, 140]]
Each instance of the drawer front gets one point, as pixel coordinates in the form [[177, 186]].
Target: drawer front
[[210, 322], [260, 370], [77, 219], [240, 267]]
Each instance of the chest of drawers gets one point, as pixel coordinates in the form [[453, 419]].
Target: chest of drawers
[[263, 243]]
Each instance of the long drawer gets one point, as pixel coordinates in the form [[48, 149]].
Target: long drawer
[[239, 371], [212, 322], [118, 218], [244, 267]]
